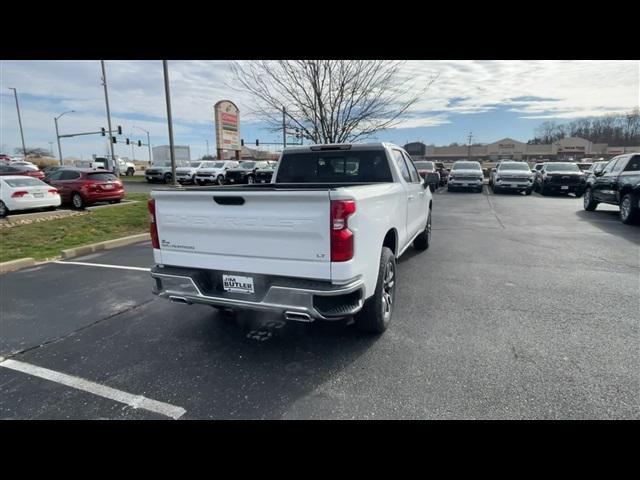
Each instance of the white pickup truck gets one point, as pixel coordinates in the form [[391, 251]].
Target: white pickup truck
[[318, 242]]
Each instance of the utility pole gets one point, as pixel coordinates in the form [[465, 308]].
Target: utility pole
[[284, 129], [116, 167], [171, 146], [55, 119], [51, 148], [24, 148], [148, 141], [207, 147], [469, 146]]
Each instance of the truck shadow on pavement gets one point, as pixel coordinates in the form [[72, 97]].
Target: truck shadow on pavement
[[609, 222]]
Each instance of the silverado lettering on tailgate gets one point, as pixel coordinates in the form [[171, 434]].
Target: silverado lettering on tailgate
[[186, 220]]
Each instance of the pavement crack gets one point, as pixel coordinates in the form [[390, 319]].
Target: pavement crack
[[77, 330], [494, 212]]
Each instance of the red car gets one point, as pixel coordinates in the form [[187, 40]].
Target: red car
[[82, 187], [22, 170]]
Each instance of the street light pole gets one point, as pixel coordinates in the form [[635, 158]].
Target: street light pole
[[169, 119], [24, 148], [148, 141], [55, 119], [116, 167], [207, 147]]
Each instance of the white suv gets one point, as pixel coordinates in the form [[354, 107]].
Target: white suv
[[215, 173], [187, 174]]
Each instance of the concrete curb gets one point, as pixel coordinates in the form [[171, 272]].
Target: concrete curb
[[107, 245], [13, 265]]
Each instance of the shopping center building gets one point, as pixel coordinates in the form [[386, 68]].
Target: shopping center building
[[567, 149]]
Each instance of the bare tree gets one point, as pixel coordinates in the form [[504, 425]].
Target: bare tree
[[33, 152], [329, 101]]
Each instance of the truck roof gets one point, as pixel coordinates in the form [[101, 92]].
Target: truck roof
[[339, 146]]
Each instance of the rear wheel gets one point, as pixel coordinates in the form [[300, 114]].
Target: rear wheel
[[423, 240], [528, 191], [4, 211], [220, 180], [77, 201], [628, 212], [378, 309], [588, 202], [168, 178]]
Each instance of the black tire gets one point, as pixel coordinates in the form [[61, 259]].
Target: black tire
[[200, 182], [378, 309], [250, 179], [628, 213], [4, 211], [116, 201], [543, 190], [220, 179], [422, 241], [432, 187], [588, 203], [168, 178], [77, 202], [528, 191], [130, 172]]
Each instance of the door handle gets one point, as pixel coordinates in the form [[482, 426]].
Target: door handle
[[410, 197]]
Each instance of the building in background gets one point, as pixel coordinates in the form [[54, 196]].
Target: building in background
[[566, 149]]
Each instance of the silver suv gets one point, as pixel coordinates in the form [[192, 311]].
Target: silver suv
[[466, 174]]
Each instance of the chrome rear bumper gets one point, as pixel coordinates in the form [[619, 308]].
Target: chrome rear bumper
[[294, 303]]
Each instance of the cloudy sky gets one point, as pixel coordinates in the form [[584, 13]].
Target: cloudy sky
[[492, 99]]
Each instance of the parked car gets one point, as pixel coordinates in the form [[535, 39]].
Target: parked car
[[424, 168], [5, 159], [187, 174], [514, 176], [617, 184], [21, 192], [264, 175], [215, 173], [466, 175], [563, 177], [244, 173], [82, 187], [444, 173], [18, 163], [320, 242], [30, 171], [161, 172]]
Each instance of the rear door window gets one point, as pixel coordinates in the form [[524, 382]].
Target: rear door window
[[415, 177], [634, 164], [404, 170], [69, 175]]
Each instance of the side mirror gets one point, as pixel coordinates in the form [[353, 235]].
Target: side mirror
[[598, 173], [494, 169]]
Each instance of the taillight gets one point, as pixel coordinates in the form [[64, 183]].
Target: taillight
[[53, 191], [341, 236], [153, 227], [19, 194]]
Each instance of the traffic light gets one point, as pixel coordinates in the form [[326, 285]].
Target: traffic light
[[139, 143], [119, 130], [104, 132], [128, 141], [113, 140], [242, 142], [257, 143]]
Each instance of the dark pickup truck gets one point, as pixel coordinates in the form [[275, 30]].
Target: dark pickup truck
[[617, 184]]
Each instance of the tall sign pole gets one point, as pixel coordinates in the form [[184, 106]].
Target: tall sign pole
[[170, 120], [106, 100]]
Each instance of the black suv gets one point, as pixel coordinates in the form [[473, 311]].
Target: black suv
[[559, 177], [245, 173], [617, 184]]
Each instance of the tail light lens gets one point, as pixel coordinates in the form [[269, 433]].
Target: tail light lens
[[53, 191], [19, 194], [341, 236], [153, 227]]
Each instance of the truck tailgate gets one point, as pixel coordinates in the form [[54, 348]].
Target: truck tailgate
[[270, 232]]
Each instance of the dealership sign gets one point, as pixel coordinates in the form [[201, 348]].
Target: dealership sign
[[227, 118]]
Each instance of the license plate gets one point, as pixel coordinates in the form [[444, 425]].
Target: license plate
[[38, 195], [564, 187], [231, 180], [237, 284], [262, 181], [108, 186]]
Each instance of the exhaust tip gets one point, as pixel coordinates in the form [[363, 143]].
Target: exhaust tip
[[179, 300], [298, 316]]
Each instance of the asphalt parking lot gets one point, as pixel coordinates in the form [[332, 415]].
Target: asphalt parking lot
[[524, 307]]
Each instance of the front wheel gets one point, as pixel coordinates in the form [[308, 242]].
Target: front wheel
[[220, 180], [528, 191], [588, 202], [168, 178], [378, 309], [628, 212]]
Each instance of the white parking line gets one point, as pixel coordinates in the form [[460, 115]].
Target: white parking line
[[135, 401], [121, 267]]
